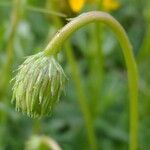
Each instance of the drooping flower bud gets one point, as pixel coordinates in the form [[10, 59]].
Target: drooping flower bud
[[38, 85]]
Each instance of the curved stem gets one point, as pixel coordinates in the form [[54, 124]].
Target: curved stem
[[78, 22]]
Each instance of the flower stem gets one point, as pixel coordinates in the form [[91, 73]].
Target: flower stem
[[86, 18]]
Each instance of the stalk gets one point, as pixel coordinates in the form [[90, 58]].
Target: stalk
[[6, 74], [82, 99], [95, 16], [96, 67], [7, 68]]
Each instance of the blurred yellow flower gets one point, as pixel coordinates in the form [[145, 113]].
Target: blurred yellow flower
[[76, 5], [107, 5], [110, 5]]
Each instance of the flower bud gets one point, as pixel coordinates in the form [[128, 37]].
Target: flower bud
[[41, 142], [38, 85]]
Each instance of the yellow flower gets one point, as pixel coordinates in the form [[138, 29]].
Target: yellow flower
[[76, 5], [110, 5], [107, 5]]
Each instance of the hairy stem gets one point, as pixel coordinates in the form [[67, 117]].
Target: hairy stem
[[76, 23]]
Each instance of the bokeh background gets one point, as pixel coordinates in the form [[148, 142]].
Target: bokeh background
[[26, 26]]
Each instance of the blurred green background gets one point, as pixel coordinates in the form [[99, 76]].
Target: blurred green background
[[26, 26]]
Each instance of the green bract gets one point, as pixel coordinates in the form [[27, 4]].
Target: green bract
[[38, 85]]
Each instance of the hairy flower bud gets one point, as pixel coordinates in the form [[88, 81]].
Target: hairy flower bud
[[38, 85]]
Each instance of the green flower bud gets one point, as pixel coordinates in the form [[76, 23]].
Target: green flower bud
[[41, 143], [38, 85]]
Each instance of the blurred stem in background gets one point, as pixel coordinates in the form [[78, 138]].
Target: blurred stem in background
[[96, 63], [7, 70], [143, 59], [82, 100], [96, 68], [144, 51]]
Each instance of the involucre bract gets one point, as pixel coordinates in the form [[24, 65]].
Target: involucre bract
[[38, 85]]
